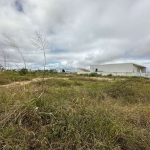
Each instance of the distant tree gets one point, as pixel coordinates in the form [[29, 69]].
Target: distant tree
[[23, 71], [63, 70]]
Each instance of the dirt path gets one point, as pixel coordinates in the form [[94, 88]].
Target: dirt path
[[40, 79], [28, 82]]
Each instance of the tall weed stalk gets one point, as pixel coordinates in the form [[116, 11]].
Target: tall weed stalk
[[40, 43], [13, 44]]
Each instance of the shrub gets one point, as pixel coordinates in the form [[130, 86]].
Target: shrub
[[109, 75], [23, 71], [93, 74]]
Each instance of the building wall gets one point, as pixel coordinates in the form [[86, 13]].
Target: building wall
[[139, 74], [139, 69], [79, 71], [143, 70], [136, 68], [115, 73], [128, 67]]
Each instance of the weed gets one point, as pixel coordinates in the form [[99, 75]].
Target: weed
[[13, 44], [41, 43], [23, 71], [93, 75], [109, 75], [76, 113]]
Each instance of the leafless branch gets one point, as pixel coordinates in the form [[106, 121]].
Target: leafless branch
[[40, 43], [13, 44], [8, 57]]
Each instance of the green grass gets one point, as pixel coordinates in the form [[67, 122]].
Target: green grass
[[13, 76], [76, 113]]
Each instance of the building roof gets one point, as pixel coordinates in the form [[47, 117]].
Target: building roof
[[85, 70], [121, 63], [139, 65]]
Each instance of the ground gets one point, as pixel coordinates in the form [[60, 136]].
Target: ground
[[69, 111]]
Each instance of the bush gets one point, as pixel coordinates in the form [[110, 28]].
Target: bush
[[109, 75], [23, 71], [93, 74]]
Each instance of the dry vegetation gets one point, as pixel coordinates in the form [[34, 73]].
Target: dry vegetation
[[78, 113]]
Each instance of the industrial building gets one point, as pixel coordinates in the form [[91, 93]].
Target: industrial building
[[82, 71], [118, 69]]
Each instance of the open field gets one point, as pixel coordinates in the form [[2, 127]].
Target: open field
[[69, 112]]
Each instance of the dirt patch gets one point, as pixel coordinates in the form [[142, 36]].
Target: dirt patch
[[28, 82], [40, 79]]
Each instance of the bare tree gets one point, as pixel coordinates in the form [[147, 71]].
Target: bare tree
[[40, 43], [13, 44]]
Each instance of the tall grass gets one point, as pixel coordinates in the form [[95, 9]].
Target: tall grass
[[76, 114], [13, 44]]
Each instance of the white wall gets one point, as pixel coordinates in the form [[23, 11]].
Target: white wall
[[136, 68], [147, 75], [127, 67], [116, 73], [139, 69], [80, 71]]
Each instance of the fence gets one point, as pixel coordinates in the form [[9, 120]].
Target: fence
[[139, 74]]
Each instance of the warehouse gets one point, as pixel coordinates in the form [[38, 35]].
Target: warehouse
[[128, 69]]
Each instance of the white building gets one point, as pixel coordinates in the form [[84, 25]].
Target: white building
[[124, 69], [82, 71]]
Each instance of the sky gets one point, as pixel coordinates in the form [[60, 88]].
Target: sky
[[79, 33]]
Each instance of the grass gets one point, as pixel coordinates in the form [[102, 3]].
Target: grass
[[13, 76], [76, 113]]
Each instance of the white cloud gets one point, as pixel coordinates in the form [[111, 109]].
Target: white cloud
[[80, 32]]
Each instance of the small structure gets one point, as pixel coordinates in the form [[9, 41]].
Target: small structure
[[123, 69], [82, 71]]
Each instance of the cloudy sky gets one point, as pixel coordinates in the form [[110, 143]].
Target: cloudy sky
[[79, 32]]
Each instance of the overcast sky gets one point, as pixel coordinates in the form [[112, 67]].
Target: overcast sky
[[79, 32]]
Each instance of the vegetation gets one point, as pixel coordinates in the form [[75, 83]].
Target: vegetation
[[10, 76], [74, 112], [23, 71], [93, 75], [41, 43], [11, 42]]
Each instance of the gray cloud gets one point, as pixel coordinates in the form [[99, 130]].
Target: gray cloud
[[80, 32]]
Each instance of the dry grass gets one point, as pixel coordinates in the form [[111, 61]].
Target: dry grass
[[79, 113]]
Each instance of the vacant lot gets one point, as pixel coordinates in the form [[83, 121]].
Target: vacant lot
[[70, 112]]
